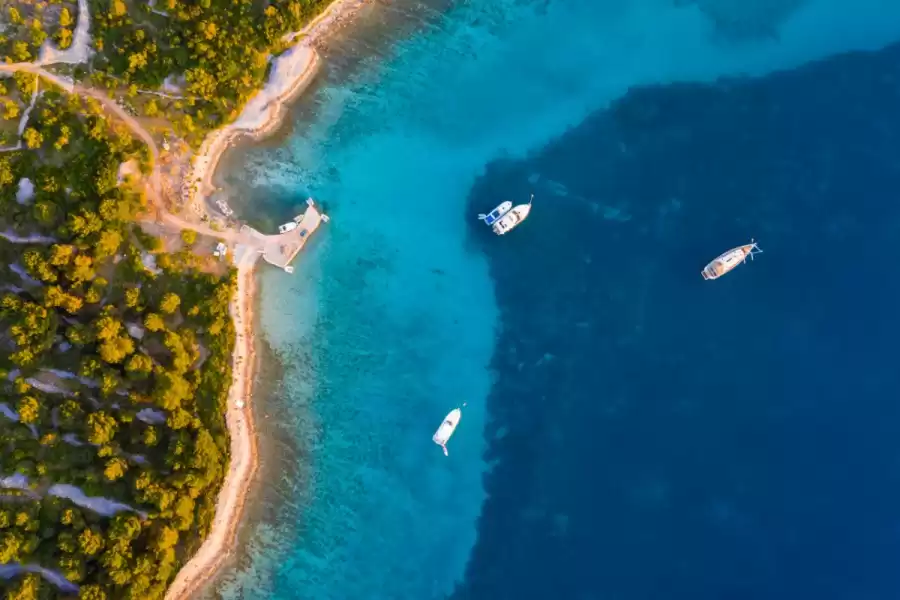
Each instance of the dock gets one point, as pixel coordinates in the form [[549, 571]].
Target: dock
[[279, 250]]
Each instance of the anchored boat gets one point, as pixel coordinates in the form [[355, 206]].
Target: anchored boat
[[727, 261], [513, 218], [443, 433], [495, 214]]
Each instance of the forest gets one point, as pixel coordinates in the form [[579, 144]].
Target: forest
[[218, 51], [115, 364], [115, 346]]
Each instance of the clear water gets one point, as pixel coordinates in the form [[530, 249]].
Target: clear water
[[392, 317]]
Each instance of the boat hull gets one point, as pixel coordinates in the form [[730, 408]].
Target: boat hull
[[727, 261], [496, 214], [447, 428], [512, 219]]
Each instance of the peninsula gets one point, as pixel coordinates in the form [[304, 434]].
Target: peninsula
[[126, 293]]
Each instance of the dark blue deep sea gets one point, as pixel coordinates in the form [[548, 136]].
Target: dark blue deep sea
[[631, 432], [668, 437]]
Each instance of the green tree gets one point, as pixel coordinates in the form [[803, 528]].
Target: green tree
[[33, 138], [70, 413], [169, 303], [29, 409], [101, 428], [84, 224], [65, 18], [64, 38], [133, 297], [115, 468], [61, 254], [91, 591], [170, 390], [20, 53], [115, 350], [10, 110], [11, 543], [184, 512], [125, 527], [73, 518], [63, 140], [91, 541], [107, 327], [6, 174], [108, 244], [15, 17], [79, 334], [139, 365], [166, 538], [38, 267], [28, 588], [55, 296], [188, 236], [150, 437], [81, 269], [154, 322], [179, 419]]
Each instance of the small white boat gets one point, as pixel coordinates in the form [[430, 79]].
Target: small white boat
[[443, 433], [513, 218], [727, 261], [491, 217], [289, 226]]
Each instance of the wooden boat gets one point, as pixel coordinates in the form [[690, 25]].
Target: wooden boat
[[443, 433], [513, 218], [727, 261], [494, 215]]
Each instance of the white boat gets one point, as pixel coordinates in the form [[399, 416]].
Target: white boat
[[289, 226], [491, 217], [727, 261], [443, 433], [513, 218]]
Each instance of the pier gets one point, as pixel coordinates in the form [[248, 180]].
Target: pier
[[280, 249], [246, 245]]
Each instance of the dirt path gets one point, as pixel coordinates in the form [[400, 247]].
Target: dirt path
[[75, 88]]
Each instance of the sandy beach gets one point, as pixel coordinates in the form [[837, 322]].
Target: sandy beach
[[215, 548], [292, 71]]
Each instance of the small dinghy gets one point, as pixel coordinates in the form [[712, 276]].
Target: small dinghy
[[513, 218], [495, 214], [727, 261], [443, 433]]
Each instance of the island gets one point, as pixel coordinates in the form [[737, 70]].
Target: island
[[127, 443]]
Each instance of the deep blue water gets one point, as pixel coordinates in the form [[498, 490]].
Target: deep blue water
[[631, 431], [669, 437]]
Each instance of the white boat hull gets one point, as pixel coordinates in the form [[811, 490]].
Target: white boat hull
[[512, 219], [445, 431], [493, 216], [727, 261]]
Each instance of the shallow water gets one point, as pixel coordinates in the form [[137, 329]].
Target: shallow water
[[391, 318]]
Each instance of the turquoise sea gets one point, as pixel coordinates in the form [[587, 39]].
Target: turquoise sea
[[631, 431]]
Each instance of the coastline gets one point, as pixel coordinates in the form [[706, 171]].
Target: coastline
[[242, 431], [292, 71]]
